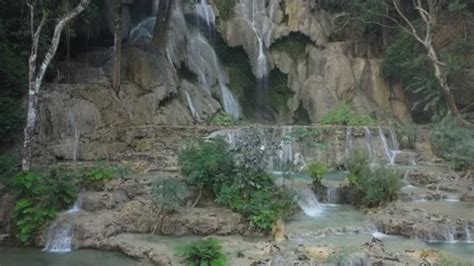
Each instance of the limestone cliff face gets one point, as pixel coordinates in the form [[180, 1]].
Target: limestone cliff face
[[327, 73], [84, 103]]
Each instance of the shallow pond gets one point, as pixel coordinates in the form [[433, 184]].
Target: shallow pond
[[10, 256]]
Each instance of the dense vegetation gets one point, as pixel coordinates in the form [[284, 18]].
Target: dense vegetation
[[206, 252], [41, 195], [344, 116], [373, 186], [454, 143], [210, 165]]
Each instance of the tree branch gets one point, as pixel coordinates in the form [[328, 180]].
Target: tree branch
[[56, 38]]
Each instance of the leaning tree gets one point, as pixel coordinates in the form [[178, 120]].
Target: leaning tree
[[37, 69]]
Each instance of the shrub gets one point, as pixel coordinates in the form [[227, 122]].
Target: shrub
[[240, 186], [454, 143], [343, 116], [374, 186], [317, 171], [222, 119], [203, 252], [206, 162], [170, 194], [226, 8], [40, 198]]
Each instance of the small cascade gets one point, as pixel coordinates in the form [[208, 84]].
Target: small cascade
[[448, 234], [194, 113], [77, 206], [60, 234], [59, 238], [467, 232], [309, 203], [393, 136], [286, 154], [391, 153], [374, 231], [368, 140], [331, 195], [348, 144]]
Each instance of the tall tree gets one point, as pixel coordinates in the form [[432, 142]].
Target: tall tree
[[429, 14], [37, 71], [163, 19], [117, 54], [402, 15]]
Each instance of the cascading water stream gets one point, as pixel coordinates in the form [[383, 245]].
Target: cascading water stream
[[309, 203], [390, 153], [194, 113], [467, 231], [199, 56], [258, 17], [368, 140], [60, 234]]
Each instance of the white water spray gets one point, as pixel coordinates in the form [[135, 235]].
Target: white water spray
[[309, 203], [60, 234]]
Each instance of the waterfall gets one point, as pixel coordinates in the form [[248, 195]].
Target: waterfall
[[60, 233], [468, 232], [190, 46], [205, 11], [331, 195], [309, 203], [194, 113], [286, 153], [390, 152], [258, 17], [59, 238], [393, 136]]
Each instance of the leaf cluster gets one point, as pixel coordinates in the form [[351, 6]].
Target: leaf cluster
[[344, 116], [207, 252]]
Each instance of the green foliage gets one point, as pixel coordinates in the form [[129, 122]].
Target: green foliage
[[40, 198], [454, 143], [9, 167], [30, 217], [170, 194], [206, 163], [375, 186], [457, 6], [226, 8], [222, 119], [317, 171], [294, 45], [11, 118], [207, 252], [97, 173], [406, 60], [343, 116], [240, 186]]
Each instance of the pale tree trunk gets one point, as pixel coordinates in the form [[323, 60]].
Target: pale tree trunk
[[36, 74], [163, 19], [117, 54], [429, 16]]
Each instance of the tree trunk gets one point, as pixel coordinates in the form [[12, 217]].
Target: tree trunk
[[440, 74], [36, 74], [117, 54], [30, 128], [163, 19]]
